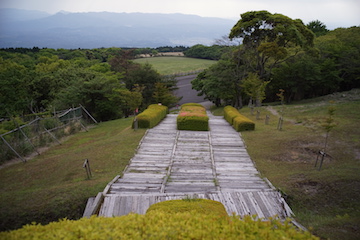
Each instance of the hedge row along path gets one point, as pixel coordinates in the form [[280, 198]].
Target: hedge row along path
[[172, 164]]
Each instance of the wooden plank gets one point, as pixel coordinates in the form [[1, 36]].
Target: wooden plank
[[192, 160], [95, 206], [88, 208]]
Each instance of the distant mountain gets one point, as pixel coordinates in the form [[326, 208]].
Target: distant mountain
[[12, 14], [20, 28]]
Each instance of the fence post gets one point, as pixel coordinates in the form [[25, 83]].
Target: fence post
[[267, 118], [280, 123], [27, 139], [88, 114], [12, 149], [86, 165], [52, 135], [136, 124]]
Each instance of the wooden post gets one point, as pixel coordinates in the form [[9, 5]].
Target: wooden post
[[280, 123], [267, 118], [323, 154], [86, 165], [136, 124]]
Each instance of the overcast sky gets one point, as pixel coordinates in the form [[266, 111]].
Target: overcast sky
[[334, 13]]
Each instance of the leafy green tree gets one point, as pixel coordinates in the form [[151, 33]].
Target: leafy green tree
[[317, 27], [342, 46], [254, 87], [13, 88], [300, 78], [269, 39], [200, 51], [221, 83], [127, 101], [162, 94], [93, 90]]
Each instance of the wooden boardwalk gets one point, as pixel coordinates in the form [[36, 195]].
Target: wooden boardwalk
[[171, 164]]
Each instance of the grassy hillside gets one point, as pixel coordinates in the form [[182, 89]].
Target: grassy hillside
[[327, 201], [54, 185], [174, 65]]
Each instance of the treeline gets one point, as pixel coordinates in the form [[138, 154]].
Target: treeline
[[207, 52], [106, 81], [279, 56]]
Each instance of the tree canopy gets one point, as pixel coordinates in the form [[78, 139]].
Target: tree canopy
[[270, 38], [106, 81], [277, 52]]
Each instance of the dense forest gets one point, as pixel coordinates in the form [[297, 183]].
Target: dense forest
[[106, 81], [279, 55]]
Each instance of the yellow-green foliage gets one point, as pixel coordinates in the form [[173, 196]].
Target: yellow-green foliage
[[230, 113], [239, 121], [242, 123], [151, 116], [161, 225], [204, 206], [192, 104], [192, 116]]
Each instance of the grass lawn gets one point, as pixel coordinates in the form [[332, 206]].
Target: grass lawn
[[175, 65], [54, 185], [326, 201]]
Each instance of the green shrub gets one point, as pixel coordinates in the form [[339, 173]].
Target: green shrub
[[151, 116], [237, 120], [192, 105], [161, 225], [242, 123], [11, 124], [193, 117], [204, 206], [230, 113], [50, 123]]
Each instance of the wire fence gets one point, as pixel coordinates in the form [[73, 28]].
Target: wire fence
[[41, 131]]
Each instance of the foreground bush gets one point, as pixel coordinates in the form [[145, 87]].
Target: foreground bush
[[204, 206], [237, 120], [161, 225], [151, 116], [192, 116]]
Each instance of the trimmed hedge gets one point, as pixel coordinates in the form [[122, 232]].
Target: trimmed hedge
[[242, 123], [151, 116], [204, 206], [192, 105], [192, 116], [161, 225], [237, 120]]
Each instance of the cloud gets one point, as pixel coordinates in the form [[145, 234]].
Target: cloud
[[334, 13]]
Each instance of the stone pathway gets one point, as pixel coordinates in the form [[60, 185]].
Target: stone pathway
[[172, 164]]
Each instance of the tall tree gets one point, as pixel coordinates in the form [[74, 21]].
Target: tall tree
[[269, 39], [317, 27]]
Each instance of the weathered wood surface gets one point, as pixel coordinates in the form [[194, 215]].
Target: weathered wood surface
[[264, 204], [172, 164]]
